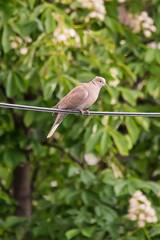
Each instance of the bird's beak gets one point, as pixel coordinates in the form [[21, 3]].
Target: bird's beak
[[105, 85]]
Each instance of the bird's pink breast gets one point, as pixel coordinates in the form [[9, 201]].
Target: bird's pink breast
[[92, 97]]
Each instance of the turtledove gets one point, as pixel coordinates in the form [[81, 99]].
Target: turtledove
[[79, 98]]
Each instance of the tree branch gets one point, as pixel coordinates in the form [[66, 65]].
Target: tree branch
[[34, 176], [74, 159]]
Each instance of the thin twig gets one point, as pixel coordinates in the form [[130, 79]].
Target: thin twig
[[34, 176], [5, 189]]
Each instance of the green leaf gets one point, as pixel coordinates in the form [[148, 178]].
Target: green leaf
[[11, 87], [153, 87], [135, 184], [114, 93], [37, 11], [21, 82], [13, 220], [87, 177], [106, 213], [113, 25], [158, 55], [72, 196], [150, 55], [93, 140], [17, 27], [132, 129], [13, 158], [31, 3], [107, 177], [120, 187], [85, 76], [144, 122], [108, 76], [89, 198], [49, 89], [5, 38], [120, 142], [28, 28], [155, 231], [129, 141], [72, 233], [155, 70], [154, 186], [28, 118], [131, 95], [49, 22], [72, 171], [88, 231], [105, 142], [128, 71], [109, 23], [129, 98], [39, 230]]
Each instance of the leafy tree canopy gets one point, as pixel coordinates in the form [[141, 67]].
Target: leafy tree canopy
[[79, 183]]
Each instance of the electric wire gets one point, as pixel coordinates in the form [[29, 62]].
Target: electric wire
[[53, 110]]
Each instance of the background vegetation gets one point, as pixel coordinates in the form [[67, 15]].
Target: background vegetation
[[80, 184]]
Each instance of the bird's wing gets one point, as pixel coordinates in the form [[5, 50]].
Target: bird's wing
[[74, 98]]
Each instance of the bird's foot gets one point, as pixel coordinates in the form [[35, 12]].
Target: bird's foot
[[85, 111], [54, 113], [82, 112]]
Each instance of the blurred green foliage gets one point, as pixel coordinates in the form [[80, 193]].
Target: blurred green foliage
[[36, 68]]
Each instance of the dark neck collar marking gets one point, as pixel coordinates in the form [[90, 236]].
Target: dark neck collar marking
[[93, 83]]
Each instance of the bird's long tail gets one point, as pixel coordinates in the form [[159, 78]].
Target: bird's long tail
[[57, 122]]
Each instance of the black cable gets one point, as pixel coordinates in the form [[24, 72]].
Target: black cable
[[43, 109]]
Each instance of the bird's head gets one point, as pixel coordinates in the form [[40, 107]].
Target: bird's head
[[99, 81]]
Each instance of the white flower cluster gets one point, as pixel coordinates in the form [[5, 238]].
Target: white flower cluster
[[65, 34], [121, 1], [154, 45], [54, 183], [91, 159], [122, 42], [114, 73], [142, 22], [140, 209], [114, 83], [18, 43], [23, 50], [97, 7], [62, 34]]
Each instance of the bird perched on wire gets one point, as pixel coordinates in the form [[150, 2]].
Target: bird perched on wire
[[79, 98]]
